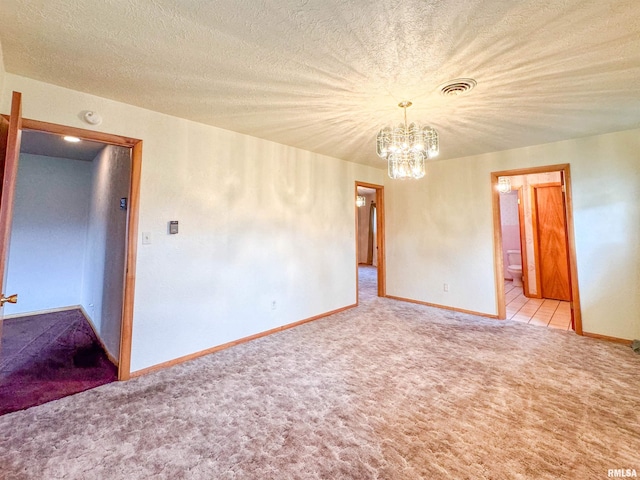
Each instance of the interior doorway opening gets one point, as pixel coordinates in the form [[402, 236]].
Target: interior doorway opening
[[370, 255], [127, 273], [535, 260], [67, 259]]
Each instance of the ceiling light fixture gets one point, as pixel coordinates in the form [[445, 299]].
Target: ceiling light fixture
[[71, 139], [504, 184], [407, 147], [361, 201]]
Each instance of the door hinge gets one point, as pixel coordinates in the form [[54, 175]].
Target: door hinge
[[564, 190]]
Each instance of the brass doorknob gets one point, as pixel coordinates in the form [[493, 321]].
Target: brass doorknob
[[11, 299]]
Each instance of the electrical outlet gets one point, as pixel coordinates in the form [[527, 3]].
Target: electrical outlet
[[273, 305], [446, 287]]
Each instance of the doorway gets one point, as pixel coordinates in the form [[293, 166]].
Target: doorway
[[130, 243], [370, 255], [546, 249]]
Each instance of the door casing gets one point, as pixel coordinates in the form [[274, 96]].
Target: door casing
[[565, 171], [10, 132], [380, 237], [126, 329]]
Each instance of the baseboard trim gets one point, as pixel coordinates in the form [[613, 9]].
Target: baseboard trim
[[444, 307], [192, 356], [111, 358], [623, 341], [41, 312]]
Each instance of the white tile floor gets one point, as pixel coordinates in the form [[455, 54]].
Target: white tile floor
[[536, 311]]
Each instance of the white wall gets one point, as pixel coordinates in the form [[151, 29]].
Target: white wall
[[262, 221], [441, 229], [2, 70], [259, 222], [49, 233], [510, 224], [105, 252]]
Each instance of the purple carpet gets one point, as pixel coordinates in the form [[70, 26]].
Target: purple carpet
[[49, 356]]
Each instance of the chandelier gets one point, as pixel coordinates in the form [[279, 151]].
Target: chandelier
[[407, 147]]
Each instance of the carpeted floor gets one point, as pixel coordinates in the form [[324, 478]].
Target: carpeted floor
[[48, 356], [388, 390]]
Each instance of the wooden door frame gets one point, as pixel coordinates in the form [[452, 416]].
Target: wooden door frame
[[380, 237], [126, 327], [523, 247], [11, 133], [565, 171]]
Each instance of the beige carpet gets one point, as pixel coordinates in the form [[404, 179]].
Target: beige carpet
[[388, 390]]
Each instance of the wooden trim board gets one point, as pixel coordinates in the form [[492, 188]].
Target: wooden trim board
[[357, 230], [126, 330], [192, 356], [42, 312], [523, 247], [497, 250], [573, 260], [94, 136], [597, 336], [534, 237], [381, 236]]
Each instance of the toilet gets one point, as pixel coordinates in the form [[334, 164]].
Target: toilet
[[514, 267]]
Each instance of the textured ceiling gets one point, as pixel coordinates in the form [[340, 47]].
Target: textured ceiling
[[50, 145], [324, 75], [365, 190]]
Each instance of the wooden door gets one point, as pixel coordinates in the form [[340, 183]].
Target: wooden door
[[10, 132], [553, 259]]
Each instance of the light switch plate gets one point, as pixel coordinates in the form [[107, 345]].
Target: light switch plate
[[146, 238]]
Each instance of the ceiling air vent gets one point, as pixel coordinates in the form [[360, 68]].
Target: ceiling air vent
[[456, 87]]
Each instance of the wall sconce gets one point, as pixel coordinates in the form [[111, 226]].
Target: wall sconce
[[361, 201], [504, 184]]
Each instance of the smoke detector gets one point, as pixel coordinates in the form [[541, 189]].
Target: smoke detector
[[92, 118], [459, 86]]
